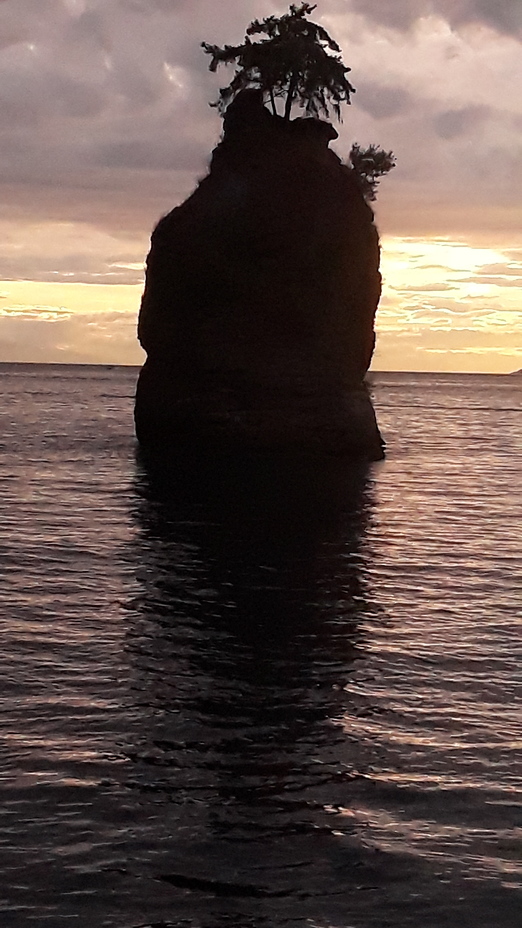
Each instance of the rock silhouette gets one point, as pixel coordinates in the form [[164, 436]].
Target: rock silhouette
[[261, 290]]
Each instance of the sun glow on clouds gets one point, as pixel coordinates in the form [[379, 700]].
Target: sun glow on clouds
[[446, 305], [76, 252], [69, 322], [451, 305]]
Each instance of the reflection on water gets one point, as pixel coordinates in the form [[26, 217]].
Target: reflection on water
[[256, 693], [252, 643], [249, 624]]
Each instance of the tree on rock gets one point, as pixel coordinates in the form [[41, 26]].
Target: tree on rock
[[370, 164], [296, 60]]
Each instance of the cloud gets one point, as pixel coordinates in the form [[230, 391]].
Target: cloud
[[508, 274], [511, 269], [74, 323], [69, 338], [87, 76], [428, 300], [382, 101], [453, 123], [56, 251], [105, 126], [460, 348], [504, 16], [94, 88], [425, 288], [496, 281]]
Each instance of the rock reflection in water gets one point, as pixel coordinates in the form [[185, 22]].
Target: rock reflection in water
[[247, 628]]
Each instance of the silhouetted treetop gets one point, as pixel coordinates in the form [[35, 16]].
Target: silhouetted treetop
[[370, 164], [296, 60]]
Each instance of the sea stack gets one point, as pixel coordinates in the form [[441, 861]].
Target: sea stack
[[260, 297]]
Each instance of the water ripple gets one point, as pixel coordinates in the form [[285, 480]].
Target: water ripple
[[229, 702]]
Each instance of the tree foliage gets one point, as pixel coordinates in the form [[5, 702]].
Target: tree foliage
[[296, 60], [370, 164]]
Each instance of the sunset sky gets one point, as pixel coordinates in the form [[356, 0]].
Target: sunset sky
[[105, 126]]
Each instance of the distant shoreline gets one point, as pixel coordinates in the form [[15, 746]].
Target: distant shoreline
[[370, 373]]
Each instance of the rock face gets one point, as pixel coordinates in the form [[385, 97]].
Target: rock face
[[260, 297]]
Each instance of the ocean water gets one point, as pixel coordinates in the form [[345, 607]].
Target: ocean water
[[253, 694]]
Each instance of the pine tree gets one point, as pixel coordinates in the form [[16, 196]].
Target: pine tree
[[297, 61], [370, 164]]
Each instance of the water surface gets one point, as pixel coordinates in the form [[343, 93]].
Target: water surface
[[256, 694]]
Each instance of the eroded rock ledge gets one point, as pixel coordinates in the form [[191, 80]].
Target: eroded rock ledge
[[260, 297]]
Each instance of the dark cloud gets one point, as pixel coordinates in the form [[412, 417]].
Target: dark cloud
[[504, 16], [383, 101], [401, 14], [113, 94], [138, 154], [32, 97], [127, 79], [452, 123]]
